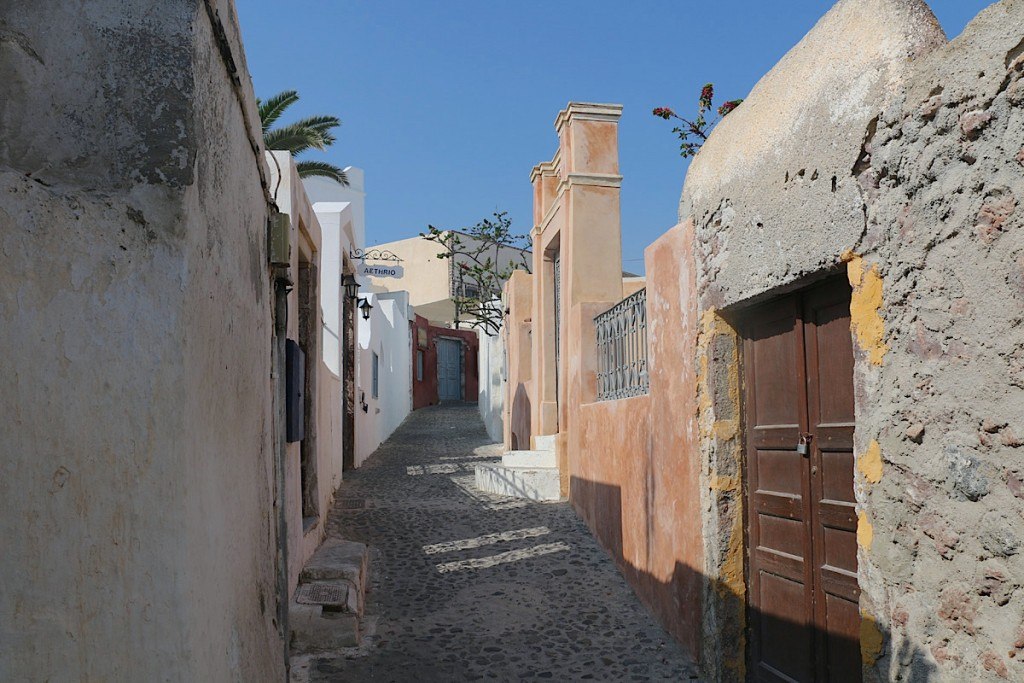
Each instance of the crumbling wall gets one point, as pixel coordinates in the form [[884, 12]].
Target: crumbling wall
[[136, 500], [941, 386], [775, 203]]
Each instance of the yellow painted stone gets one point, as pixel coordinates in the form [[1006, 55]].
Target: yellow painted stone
[[871, 639], [865, 304], [870, 463], [865, 532]]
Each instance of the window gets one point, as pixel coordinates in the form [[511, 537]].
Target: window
[[419, 366], [376, 375]]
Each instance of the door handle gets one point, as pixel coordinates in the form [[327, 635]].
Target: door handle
[[803, 445]]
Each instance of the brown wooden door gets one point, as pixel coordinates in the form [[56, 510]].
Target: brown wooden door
[[802, 566]]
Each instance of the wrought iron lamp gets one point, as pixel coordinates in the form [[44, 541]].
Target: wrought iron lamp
[[351, 286], [365, 306]]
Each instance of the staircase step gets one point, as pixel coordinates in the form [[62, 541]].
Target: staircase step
[[529, 459], [531, 483], [315, 629], [544, 443], [335, 560]]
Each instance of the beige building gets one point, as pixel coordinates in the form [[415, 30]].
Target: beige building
[[433, 283]]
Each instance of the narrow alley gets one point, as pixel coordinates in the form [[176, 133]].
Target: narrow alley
[[469, 586]]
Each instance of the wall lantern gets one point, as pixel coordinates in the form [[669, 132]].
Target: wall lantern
[[351, 286], [365, 306]]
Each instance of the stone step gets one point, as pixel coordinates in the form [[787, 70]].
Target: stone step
[[315, 629], [337, 559], [544, 443], [531, 483], [529, 459], [325, 612]]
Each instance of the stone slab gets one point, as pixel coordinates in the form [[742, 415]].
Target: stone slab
[[531, 483], [529, 459], [316, 630], [544, 443], [335, 560]]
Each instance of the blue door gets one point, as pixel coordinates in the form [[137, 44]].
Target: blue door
[[449, 370]]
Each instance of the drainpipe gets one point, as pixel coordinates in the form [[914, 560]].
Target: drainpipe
[[282, 285]]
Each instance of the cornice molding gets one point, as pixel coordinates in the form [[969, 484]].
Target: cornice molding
[[587, 111]]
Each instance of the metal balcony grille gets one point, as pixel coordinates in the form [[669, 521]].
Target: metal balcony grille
[[622, 349]]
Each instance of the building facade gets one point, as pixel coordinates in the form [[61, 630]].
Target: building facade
[[798, 441]]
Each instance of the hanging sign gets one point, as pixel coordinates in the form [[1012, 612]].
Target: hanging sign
[[381, 271]]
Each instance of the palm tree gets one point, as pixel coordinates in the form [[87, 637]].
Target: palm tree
[[309, 133]]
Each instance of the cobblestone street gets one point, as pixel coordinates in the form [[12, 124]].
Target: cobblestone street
[[469, 586]]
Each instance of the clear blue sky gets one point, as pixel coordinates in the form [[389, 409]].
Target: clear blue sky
[[448, 104]]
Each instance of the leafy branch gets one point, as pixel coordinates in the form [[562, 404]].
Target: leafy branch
[[693, 133], [483, 258]]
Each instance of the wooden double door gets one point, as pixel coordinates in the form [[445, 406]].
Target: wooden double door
[[803, 614]]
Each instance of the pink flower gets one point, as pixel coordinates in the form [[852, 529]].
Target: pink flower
[[663, 112]]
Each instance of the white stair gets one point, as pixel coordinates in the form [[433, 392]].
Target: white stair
[[544, 443], [532, 483], [529, 459]]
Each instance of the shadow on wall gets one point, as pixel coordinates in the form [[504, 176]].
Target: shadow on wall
[[520, 419], [779, 638]]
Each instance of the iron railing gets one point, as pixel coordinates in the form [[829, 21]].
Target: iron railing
[[622, 349]]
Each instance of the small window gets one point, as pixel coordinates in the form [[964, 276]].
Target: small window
[[376, 374], [419, 366]]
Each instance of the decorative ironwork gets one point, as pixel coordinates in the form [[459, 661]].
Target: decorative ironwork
[[374, 255], [622, 349]]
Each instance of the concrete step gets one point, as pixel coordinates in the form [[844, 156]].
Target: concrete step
[[338, 560], [328, 604], [315, 629], [529, 459], [544, 443], [531, 483]]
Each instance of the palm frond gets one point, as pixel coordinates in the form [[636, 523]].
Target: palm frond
[[309, 169], [293, 138], [271, 110], [320, 123]]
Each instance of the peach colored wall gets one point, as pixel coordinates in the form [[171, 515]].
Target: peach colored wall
[[518, 331], [637, 486]]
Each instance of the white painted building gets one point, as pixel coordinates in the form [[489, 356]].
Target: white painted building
[[384, 370]]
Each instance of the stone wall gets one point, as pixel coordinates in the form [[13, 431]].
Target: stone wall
[[877, 149], [136, 500], [942, 174]]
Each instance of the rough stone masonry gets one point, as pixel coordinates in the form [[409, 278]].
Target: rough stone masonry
[[877, 148]]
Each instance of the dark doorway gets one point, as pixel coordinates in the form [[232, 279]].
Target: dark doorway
[[348, 383], [801, 521]]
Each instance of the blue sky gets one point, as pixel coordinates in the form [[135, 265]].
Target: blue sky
[[448, 104]]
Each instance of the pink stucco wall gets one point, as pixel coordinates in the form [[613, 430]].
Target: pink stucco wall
[[633, 466]]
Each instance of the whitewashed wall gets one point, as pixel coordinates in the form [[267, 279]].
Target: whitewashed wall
[[386, 333], [491, 399]]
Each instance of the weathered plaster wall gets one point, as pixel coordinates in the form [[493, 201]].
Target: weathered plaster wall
[[874, 148], [633, 462], [136, 487], [761, 191], [937, 311]]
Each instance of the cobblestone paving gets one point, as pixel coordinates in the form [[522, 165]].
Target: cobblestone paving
[[467, 586]]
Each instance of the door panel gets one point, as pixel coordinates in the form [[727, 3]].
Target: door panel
[[798, 371], [449, 370]]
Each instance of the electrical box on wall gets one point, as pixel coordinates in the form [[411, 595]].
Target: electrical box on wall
[[295, 390], [279, 234]]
